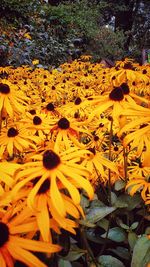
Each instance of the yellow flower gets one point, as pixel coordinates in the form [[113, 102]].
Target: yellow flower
[[140, 138], [114, 102], [10, 100], [139, 184], [77, 109], [67, 133], [62, 168], [98, 163], [44, 211], [16, 139], [35, 62], [14, 245], [86, 57], [147, 202], [7, 170], [37, 123], [27, 36]]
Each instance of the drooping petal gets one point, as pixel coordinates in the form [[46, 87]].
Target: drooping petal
[[56, 197]]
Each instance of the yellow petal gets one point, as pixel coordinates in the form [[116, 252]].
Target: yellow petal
[[56, 197]]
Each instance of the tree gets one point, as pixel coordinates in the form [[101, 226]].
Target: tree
[[128, 15]]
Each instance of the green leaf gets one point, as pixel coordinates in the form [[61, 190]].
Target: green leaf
[[103, 223], [109, 261], [130, 202], [96, 203], [84, 202], [132, 238], [113, 198], [122, 225], [141, 252], [121, 252], [119, 185], [121, 203], [90, 235], [64, 263], [134, 225], [116, 234], [75, 253], [86, 223], [98, 213]]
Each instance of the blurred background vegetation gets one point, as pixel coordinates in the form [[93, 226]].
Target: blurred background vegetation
[[56, 31]]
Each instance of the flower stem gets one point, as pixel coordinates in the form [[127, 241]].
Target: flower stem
[[125, 163], [87, 246]]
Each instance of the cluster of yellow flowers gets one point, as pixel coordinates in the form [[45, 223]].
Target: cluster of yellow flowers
[[63, 131]]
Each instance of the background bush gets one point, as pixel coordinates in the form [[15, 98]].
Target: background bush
[[58, 33]]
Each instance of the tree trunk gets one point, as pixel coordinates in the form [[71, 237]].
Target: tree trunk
[[54, 2], [124, 19]]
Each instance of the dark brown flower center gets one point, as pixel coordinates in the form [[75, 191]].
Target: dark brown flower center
[[116, 148], [125, 88], [96, 138], [37, 120], [144, 71], [4, 234], [4, 88], [78, 84], [101, 125], [116, 94], [128, 66], [76, 115], [50, 159], [78, 101], [32, 111], [63, 123], [50, 107], [12, 132]]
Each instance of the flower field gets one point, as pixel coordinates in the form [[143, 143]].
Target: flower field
[[75, 165]]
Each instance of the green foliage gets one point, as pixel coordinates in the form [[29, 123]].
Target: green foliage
[[71, 29], [142, 249], [18, 11], [109, 261], [112, 235], [74, 16], [58, 33], [108, 44]]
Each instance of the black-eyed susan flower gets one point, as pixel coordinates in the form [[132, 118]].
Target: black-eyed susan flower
[[44, 211], [138, 138], [139, 184], [66, 133], [10, 100], [14, 245], [37, 123], [7, 170], [16, 139], [114, 102], [51, 109], [57, 168], [98, 163]]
